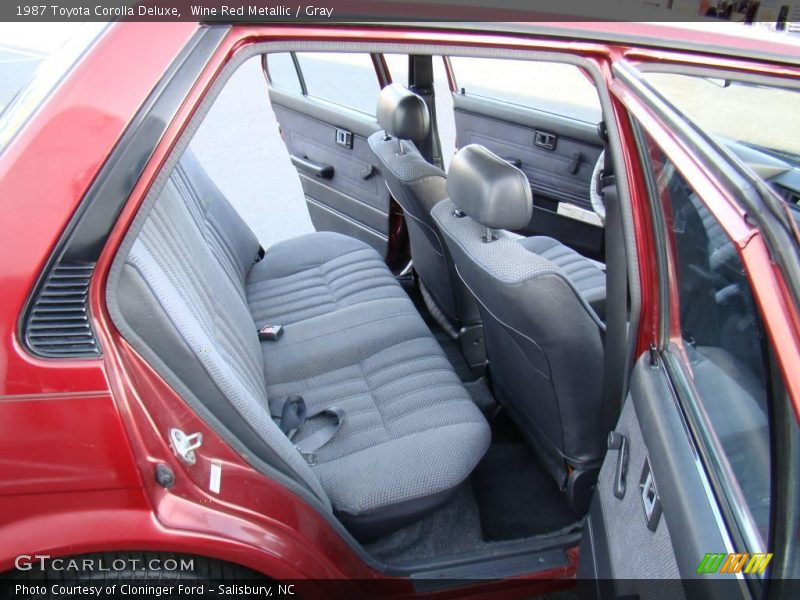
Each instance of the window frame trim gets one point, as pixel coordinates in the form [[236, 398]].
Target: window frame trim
[[452, 81], [375, 59], [736, 514]]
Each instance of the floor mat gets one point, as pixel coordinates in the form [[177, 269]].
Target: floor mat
[[516, 497], [448, 531]]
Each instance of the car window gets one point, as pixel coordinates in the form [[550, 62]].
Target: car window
[[759, 115], [398, 67], [282, 72], [347, 79], [721, 348], [551, 87]]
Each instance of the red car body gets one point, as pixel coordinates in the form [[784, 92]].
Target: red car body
[[80, 438]]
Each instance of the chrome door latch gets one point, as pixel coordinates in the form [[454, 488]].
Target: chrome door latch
[[184, 445]]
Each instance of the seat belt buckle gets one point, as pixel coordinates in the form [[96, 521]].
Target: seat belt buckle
[[311, 457], [604, 180], [270, 333]]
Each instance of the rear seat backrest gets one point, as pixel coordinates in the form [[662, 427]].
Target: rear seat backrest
[[230, 239], [176, 291]]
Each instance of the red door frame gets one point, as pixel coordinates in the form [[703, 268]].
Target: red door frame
[[256, 512], [775, 303], [258, 522]]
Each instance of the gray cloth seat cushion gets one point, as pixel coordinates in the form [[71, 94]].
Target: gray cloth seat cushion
[[585, 275], [175, 303], [187, 292], [316, 274], [411, 430]]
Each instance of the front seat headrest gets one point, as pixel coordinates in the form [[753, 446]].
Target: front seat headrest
[[402, 113], [489, 189]]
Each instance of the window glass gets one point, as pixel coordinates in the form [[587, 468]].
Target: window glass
[[343, 78], [282, 73], [757, 115], [722, 346], [398, 67], [552, 87], [445, 117]]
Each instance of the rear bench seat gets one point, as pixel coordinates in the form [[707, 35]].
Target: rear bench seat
[[188, 292]]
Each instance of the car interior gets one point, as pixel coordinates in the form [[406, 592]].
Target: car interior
[[428, 364], [412, 362]]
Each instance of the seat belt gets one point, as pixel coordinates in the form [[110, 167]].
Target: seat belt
[[616, 337], [420, 81], [292, 414]]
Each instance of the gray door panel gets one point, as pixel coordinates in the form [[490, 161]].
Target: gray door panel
[[344, 190], [529, 117], [653, 561], [558, 175]]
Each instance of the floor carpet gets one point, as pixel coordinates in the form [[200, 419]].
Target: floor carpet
[[516, 498]]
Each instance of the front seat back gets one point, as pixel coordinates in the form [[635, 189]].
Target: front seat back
[[418, 186], [543, 340]]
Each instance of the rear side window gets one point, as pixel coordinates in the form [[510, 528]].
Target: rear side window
[[398, 67], [550, 87], [721, 349], [342, 78], [282, 72]]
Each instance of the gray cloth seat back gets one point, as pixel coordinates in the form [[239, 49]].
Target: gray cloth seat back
[[418, 186], [544, 341], [232, 242], [180, 293]]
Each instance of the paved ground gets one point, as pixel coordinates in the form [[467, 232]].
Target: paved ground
[[239, 146]]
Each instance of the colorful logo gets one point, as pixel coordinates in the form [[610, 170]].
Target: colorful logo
[[735, 563]]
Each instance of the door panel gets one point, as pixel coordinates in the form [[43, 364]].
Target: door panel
[[698, 407], [618, 544], [560, 173], [344, 190]]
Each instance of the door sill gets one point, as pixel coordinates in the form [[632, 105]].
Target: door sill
[[503, 561]]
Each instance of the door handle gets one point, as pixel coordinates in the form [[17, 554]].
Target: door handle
[[651, 502], [314, 168], [545, 140], [618, 442], [514, 162], [575, 163]]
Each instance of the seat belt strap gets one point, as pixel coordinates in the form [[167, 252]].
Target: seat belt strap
[[420, 81], [616, 337], [307, 446]]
